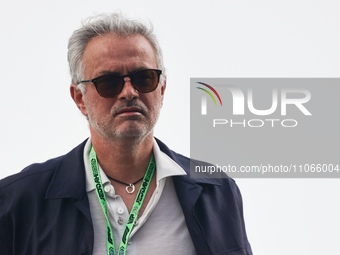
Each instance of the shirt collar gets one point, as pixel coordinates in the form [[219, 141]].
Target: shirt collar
[[165, 166]]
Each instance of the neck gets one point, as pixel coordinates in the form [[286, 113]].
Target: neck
[[124, 160]]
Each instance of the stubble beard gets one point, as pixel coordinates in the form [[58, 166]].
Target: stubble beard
[[133, 133]]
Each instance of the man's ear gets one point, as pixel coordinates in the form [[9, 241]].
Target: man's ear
[[163, 89], [78, 98]]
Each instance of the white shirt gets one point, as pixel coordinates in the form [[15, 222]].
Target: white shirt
[[161, 228]]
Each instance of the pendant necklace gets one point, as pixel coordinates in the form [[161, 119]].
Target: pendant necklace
[[130, 187]]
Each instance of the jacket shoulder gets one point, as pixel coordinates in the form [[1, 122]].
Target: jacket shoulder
[[35, 173], [31, 173], [42, 202]]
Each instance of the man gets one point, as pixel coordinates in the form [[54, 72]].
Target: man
[[121, 191]]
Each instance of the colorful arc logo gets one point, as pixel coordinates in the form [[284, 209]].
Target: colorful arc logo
[[210, 93]]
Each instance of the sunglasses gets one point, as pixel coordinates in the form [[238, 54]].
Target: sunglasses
[[111, 85]]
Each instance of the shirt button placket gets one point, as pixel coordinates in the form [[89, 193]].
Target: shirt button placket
[[120, 211], [120, 221]]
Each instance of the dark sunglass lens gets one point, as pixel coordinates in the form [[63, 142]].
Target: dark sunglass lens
[[109, 85], [145, 81]]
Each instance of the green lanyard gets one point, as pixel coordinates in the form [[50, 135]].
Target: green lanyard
[[135, 209]]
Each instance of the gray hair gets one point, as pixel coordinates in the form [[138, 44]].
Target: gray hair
[[102, 24]]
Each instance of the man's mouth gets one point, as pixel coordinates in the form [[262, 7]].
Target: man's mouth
[[130, 111]]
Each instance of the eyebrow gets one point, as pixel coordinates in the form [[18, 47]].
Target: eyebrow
[[107, 72]]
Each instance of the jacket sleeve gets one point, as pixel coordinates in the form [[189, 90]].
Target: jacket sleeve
[[5, 230]]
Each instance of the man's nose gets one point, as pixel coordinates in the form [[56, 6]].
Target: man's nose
[[128, 92]]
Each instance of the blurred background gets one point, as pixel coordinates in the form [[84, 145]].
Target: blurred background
[[216, 38]]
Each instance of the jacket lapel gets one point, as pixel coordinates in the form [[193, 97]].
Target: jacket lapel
[[188, 192], [69, 180]]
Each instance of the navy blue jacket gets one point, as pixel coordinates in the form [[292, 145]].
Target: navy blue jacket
[[45, 210]]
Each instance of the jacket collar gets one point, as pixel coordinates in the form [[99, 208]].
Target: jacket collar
[[69, 178]]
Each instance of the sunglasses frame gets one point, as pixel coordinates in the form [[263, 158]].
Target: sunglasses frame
[[94, 81]]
